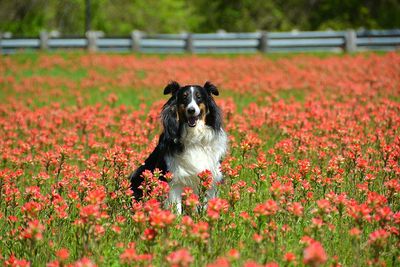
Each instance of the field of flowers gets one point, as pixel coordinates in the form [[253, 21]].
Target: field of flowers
[[312, 176]]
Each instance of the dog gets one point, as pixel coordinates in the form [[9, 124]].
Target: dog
[[193, 140]]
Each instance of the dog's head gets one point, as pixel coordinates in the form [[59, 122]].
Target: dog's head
[[187, 106], [192, 102]]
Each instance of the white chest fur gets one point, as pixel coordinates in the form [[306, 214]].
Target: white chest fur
[[203, 150]]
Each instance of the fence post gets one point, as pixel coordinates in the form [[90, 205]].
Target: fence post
[[189, 43], [44, 40], [263, 42], [350, 41], [91, 41], [135, 40]]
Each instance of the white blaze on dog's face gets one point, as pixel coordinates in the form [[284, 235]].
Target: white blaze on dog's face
[[191, 104], [192, 110]]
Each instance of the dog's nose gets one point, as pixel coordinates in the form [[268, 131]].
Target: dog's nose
[[191, 110]]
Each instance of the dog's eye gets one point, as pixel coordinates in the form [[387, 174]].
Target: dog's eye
[[198, 96], [185, 95]]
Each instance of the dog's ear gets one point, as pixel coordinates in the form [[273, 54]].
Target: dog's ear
[[171, 88], [211, 88], [169, 118]]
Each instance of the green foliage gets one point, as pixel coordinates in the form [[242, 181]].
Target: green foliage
[[120, 17], [25, 17], [147, 15], [242, 15]]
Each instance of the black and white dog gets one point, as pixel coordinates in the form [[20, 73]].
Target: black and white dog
[[193, 140]]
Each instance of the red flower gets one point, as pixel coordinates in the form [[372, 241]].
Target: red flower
[[215, 207], [181, 258], [251, 263], [378, 237], [304, 166], [62, 254], [161, 219], [85, 262], [257, 238], [96, 196], [270, 207], [355, 232], [324, 206], [128, 256], [90, 212], [314, 254], [206, 179], [220, 262], [14, 262], [53, 264], [32, 208], [296, 209], [200, 231], [233, 254], [190, 199], [289, 257], [149, 234], [33, 231]]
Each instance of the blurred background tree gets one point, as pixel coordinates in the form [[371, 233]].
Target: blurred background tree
[[120, 17]]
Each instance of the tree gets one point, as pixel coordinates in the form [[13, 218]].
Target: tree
[[241, 15], [23, 17], [154, 16]]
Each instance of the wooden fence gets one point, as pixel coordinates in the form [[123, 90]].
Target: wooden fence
[[266, 42]]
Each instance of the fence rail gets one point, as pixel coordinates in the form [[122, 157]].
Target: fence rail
[[333, 41]]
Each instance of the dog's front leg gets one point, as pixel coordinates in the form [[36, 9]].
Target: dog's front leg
[[175, 198]]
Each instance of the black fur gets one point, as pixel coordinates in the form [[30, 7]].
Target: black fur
[[211, 88], [154, 161], [169, 141], [172, 87], [214, 117]]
